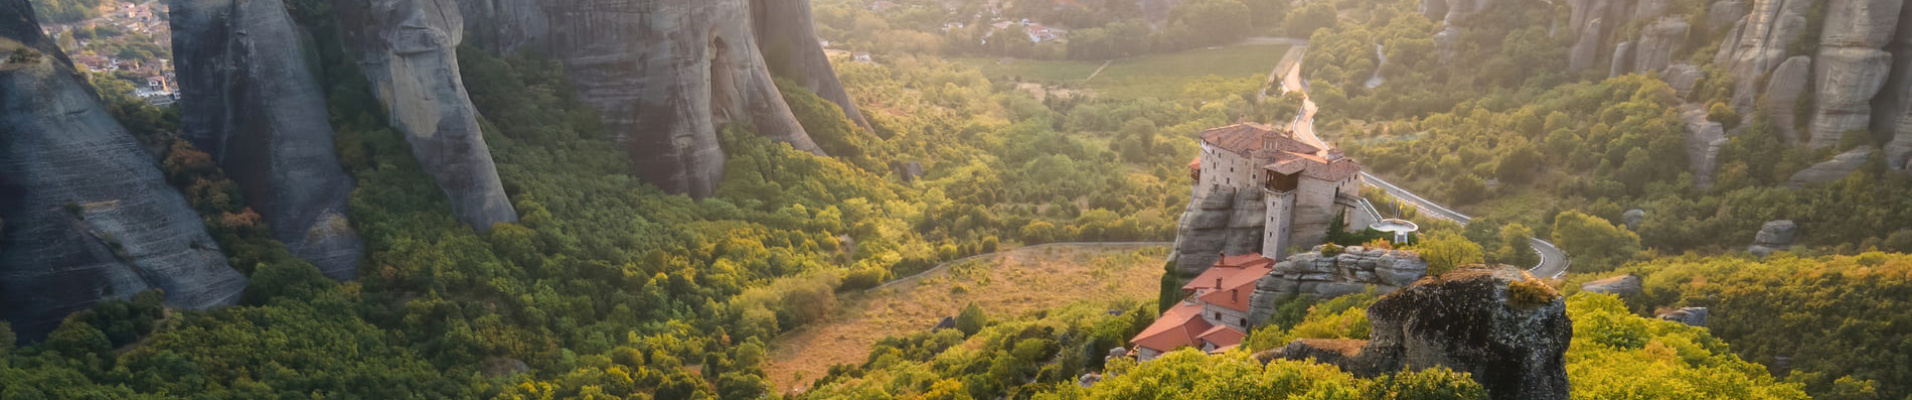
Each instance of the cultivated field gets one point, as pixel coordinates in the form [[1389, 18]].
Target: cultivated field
[[1005, 284]]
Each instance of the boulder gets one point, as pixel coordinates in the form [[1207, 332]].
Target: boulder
[[1225, 220], [248, 99], [1691, 316], [1504, 327], [1658, 43], [1783, 93], [88, 214], [1619, 285], [1633, 218], [408, 50], [1835, 169], [1774, 236]]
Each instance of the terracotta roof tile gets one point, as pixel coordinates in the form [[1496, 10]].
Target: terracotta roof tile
[[1177, 328]]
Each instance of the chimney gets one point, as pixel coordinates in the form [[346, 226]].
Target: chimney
[[1234, 295], [1218, 283]]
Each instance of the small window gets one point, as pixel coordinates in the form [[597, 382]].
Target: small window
[[1244, 322], [1218, 316]]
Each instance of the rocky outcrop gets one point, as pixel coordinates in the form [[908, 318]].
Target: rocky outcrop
[[791, 48], [1774, 236], [1226, 221], [407, 49], [1622, 60], [1892, 110], [1504, 327], [248, 99], [1320, 276], [88, 213], [1704, 141], [1658, 43], [1759, 42], [666, 76], [1722, 14], [1839, 167], [1633, 218], [1691, 316], [1851, 67], [1586, 49], [1683, 78], [504, 27], [1783, 93], [1619, 285]]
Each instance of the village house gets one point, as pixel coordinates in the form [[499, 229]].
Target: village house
[[1213, 315]]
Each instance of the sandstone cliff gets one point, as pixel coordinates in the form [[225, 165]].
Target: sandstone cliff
[[1503, 326], [1225, 221], [248, 99], [407, 48], [88, 214]]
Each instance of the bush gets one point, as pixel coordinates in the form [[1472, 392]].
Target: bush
[[971, 320], [1445, 251]]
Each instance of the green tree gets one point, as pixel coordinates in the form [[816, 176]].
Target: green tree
[[1445, 251], [1514, 248], [971, 320], [1594, 243]]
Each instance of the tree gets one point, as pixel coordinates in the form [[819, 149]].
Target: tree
[[1315, 16], [1514, 249], [1445, 251], [971, 320], [1595, 244]]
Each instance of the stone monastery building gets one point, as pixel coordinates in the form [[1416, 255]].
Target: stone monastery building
[[1303, 185]]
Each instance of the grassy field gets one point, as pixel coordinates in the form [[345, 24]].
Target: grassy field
[[1009, 283], [1151, 75]]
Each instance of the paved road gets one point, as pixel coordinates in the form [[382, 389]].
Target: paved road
[[1553, 262]]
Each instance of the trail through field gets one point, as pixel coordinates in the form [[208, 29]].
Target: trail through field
[[1004, 284]]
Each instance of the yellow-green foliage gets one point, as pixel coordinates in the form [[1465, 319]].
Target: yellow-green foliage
[[1530, 292], [1445, 251], [1618, 355], [1835, 317]]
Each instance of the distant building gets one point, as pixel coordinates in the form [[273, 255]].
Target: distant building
[[863, 57], [1213, 315]]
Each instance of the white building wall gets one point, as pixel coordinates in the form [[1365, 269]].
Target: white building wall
[[1219, 315]]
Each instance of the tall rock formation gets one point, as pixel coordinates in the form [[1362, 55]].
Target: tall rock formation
[[1852, 65], [407, 48], [88, 214], [1659, 43], [1586, 49], [1759, 42], [666, 76], [1506, 328], [789, 41], [1225, 221], [1704, 141], [248, 99], [1783, 94]]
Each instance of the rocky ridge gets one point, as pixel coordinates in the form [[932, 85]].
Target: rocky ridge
[[88, 213], [1226, 221], [256, 108], [1321, 276]]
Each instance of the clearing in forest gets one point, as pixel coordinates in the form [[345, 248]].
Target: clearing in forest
[[1005, 284], [1154, 75]]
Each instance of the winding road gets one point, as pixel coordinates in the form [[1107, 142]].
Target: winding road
[[1553, 261]]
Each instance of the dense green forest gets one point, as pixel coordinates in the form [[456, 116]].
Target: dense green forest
[[1094, 29], [65, 11], [1614, 354]]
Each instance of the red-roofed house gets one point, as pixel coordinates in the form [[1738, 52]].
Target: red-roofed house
[[1304, 183], [1214, 312]]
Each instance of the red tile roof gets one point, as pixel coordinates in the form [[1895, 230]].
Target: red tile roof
[[1289, 154], [1233, 271], [1177, 328], [1223, 336], [1235, 295]]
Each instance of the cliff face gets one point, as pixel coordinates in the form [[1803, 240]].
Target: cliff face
[[88, 214], [1503, 326], [791, 47], [249, 100], [407, 48], [1852, 65], [1324, 277], [1224, 221], [667, 75]]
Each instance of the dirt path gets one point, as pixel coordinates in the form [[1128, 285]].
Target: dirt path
[[1005, 284]]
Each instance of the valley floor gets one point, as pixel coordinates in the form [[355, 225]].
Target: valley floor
[[1004, 284]]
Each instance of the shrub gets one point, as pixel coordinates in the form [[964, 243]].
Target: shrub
[[1530, 293]]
